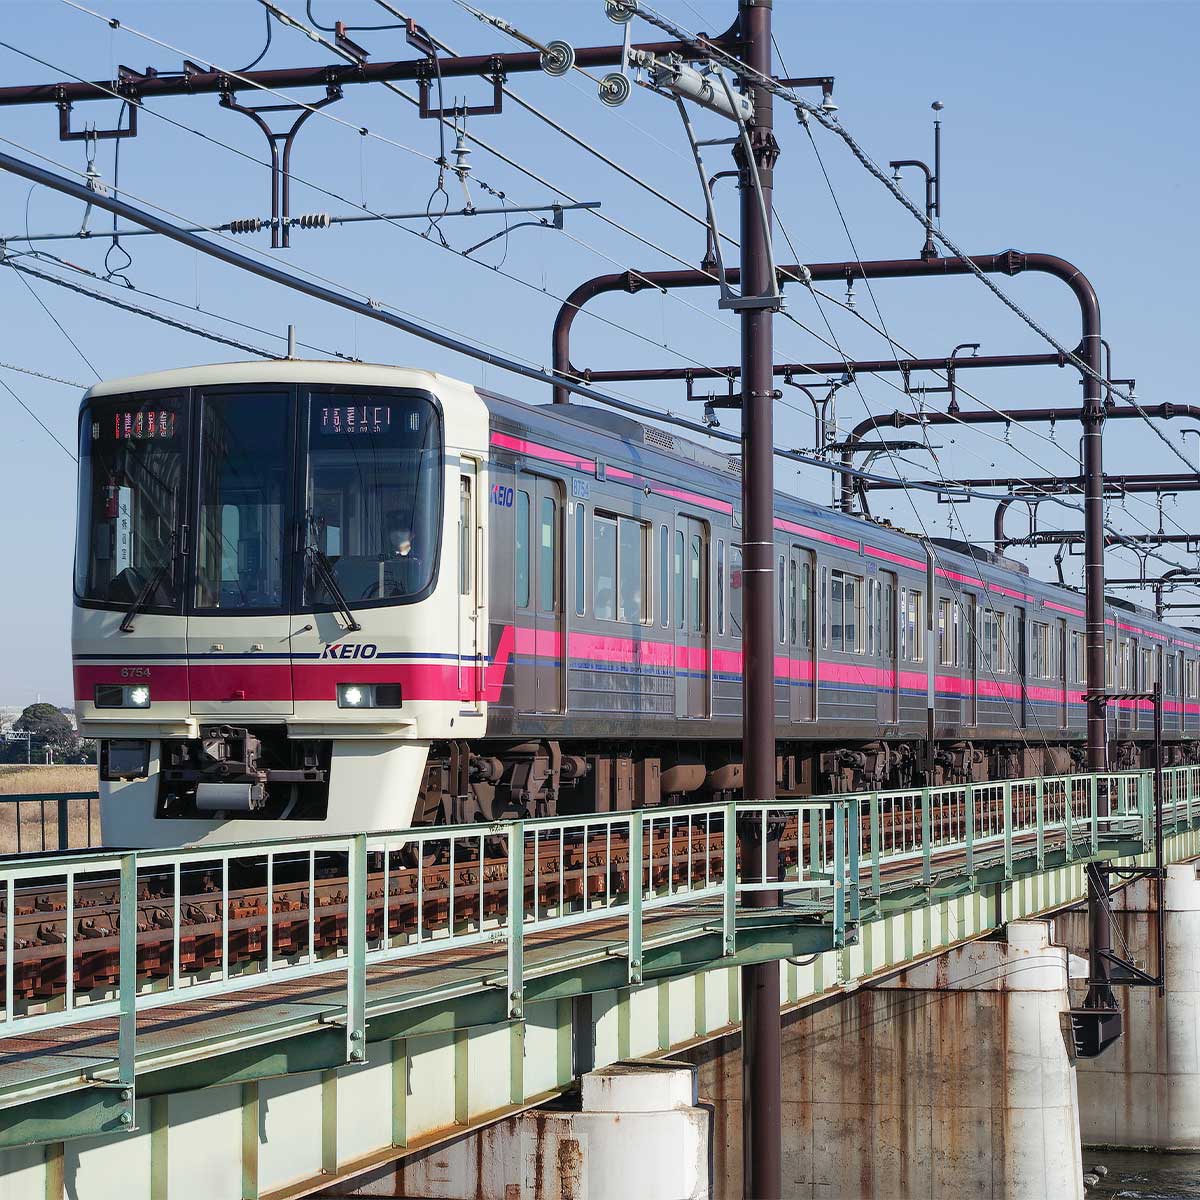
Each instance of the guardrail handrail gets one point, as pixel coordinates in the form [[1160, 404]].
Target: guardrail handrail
[[412, 892]]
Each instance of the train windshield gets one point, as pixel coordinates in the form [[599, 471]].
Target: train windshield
[[244, 472], [132, 454], [373, 497]]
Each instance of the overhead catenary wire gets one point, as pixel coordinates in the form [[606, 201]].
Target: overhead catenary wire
[[830, 122], [46, 428], [197, 226], [183, 326]]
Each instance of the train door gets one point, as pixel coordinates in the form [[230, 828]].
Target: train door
[[693, 660], [970, 660], [241, 559], [887, 701], [471, 567], [538, 603], [801, 585]]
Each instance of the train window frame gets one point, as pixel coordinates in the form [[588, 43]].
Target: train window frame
[[1191, 672], [720, 572], [850, 591], [736, 593], [466, 534], [664, 581], [522, 548], [678, 574], [580, 548], [912, 625], [620, 525], [305, 396], [781, 600], [549, 603], [179, 576]]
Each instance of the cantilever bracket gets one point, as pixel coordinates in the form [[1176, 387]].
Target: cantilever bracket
[[281, 172]]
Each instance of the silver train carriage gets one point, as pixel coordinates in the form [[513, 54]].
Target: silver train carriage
[[316, 598]]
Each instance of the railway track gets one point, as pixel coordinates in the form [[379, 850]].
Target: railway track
[[459, 892]]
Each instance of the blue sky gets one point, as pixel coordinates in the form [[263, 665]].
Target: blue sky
[[1068, 128]]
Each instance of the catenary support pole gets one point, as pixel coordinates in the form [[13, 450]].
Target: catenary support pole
[[762, 1109]]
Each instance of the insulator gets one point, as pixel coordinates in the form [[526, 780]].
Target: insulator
[[614, 89], [557, 58], [621, 12], [246, 225], [312, 220]]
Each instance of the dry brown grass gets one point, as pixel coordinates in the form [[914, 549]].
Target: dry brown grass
[[30, 825]]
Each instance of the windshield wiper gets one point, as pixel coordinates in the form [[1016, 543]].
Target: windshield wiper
[[318, 557], [151, 584]]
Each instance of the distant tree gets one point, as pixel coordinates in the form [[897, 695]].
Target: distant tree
[[45, 721]]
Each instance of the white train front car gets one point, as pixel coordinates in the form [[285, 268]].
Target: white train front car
[[278, 596]]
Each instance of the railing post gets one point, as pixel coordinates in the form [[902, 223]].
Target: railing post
[[1146, 802], [854, 840], [875, 847], [839, 875], [1040, 802], [729, 879], [63, 829], [1069, 819], [1008, 829], [1094, 802], [516, 919], [127, 1022], [926, 838], [356, 945], [969, 803], [635, 896]]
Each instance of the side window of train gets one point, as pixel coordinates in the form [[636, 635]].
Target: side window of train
[[1108, 662], [1078, 657], [549, 556], [806, 589], [912, 627], [466, 535], [522, 548], [947, 631], [696, 578], [735, 590], [580, 559], [1192, 678], [846, 599], [677, 580], [664, 577], [781, 601], [621, 561], [720, 587]]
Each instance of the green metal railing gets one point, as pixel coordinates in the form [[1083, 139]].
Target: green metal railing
[[527, 878]]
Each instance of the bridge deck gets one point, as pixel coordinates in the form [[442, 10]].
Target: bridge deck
[[74, 1056]]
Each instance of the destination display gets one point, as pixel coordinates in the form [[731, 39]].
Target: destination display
[[136, 424], [352, 419]]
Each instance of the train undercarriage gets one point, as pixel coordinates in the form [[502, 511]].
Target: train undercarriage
[[259, 773]]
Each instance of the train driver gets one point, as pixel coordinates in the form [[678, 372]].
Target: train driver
[[403, 568]]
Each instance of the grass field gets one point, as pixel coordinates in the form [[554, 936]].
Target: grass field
[[33, 825]]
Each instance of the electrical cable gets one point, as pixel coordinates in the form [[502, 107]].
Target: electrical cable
[[46, 428], [162, 318], [805, 108], [59, 324]]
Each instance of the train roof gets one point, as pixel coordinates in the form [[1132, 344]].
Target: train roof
[[276, 370]]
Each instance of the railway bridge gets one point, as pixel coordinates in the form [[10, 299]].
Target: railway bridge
[[401, 1014]]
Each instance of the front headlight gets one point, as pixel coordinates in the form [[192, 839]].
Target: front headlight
[[369, 695], [119, 695]]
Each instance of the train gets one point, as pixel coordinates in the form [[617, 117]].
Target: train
[[321, 598]]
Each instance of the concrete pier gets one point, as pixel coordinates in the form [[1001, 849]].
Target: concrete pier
[[952, 1079], [639, 1133], [1144, 1092]]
